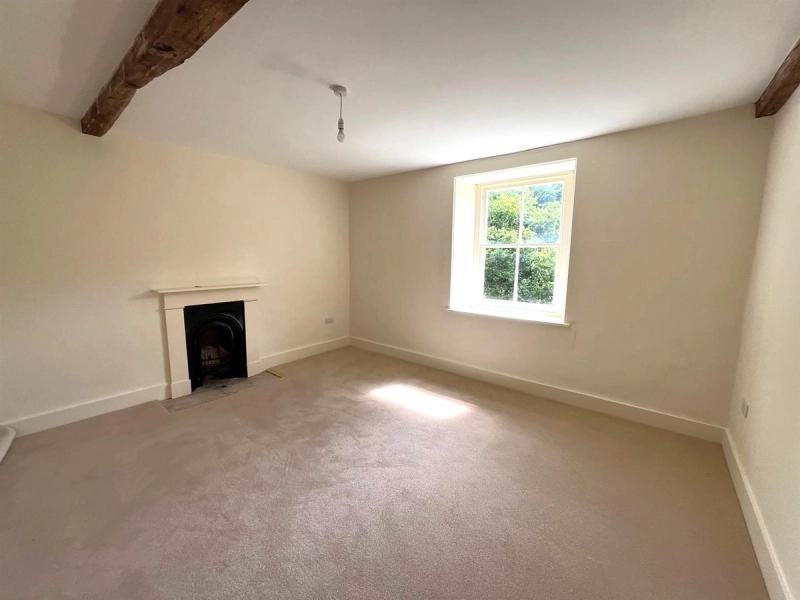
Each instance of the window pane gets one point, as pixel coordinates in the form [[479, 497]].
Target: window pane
[[537, 274], [541, 222], [498, 281], [503, 215]]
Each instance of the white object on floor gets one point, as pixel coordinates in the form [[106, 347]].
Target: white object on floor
[[6, 435]]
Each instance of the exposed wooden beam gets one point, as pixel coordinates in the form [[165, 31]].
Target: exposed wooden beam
[[174, 32], [780, 89]]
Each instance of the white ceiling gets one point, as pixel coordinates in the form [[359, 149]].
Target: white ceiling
[[431, 82]]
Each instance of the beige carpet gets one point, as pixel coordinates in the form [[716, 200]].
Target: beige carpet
[[361, 476]]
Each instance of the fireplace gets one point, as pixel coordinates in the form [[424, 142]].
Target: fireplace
[[212, 330], [215, 341]]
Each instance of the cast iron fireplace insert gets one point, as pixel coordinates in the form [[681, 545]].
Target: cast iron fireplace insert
[[215, 341]]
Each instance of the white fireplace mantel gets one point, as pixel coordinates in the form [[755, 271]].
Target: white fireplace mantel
[[173, 301]]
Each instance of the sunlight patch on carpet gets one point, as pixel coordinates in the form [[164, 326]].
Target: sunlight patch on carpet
[[419, 400]]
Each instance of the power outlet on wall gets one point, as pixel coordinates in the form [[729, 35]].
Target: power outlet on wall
[[745, 408], [328, 320]]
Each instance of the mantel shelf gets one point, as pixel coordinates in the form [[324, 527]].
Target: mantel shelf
[[204, 288]]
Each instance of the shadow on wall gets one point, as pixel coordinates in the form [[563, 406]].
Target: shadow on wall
[[87, 62], [156, 299]]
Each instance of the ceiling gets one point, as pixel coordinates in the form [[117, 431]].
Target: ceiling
[[431, 82]]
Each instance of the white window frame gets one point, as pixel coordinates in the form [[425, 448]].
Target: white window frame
[[469, 298]]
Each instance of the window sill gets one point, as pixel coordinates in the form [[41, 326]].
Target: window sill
[[542, 319]]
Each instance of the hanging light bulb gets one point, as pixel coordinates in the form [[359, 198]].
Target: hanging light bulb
[[341, 91]]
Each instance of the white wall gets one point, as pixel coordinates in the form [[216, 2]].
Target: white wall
[[664, 224], [768, 377], [88, 226]]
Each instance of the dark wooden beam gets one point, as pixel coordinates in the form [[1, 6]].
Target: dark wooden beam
[[780, 89], [174, 32]]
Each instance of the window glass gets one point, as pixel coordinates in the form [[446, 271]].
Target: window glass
[[541, 222], [537, 275], [499, 267], [502, 225]]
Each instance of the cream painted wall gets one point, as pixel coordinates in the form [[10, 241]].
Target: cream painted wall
[[88, 226], [768, 377], [664, 224]]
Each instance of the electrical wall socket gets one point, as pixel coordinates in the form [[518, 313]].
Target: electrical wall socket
[[328, 320], [745, 408]]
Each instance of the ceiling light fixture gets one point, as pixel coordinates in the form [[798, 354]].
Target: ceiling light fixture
[[341, 91]]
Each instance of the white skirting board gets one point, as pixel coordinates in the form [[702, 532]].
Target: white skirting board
[[608, 406], [293, 354], [160, 391], [6, 437], [90, 408], [777, 585]]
